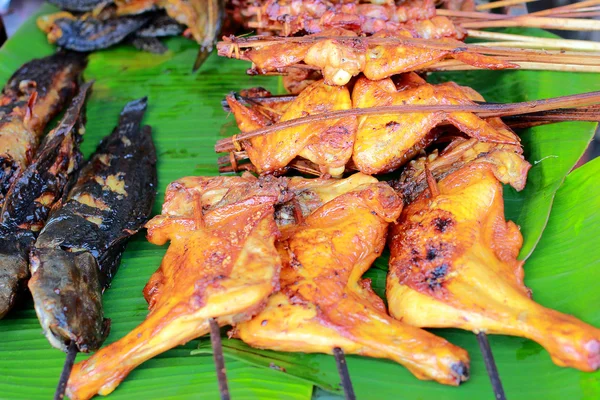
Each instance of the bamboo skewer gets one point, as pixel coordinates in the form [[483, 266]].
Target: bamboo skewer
[[66, 371], [528, 21], [342, 367], [215, 339], [501, 3], [452, 65], [518, 40], [482, 110], [490, 365], [581, 4]]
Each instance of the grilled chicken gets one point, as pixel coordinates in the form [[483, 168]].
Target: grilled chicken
[[454, 264], [336, 232], [341, 54], [327, 144], [372, 144], [30, 99], [32, 196], [78, 252], [221, 263]]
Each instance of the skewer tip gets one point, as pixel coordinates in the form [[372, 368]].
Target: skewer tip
[[342, 366], [66, 372], [215, 340], [490, 365]]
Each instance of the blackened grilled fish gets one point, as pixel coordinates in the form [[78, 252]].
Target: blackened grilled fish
[[32, 196], [77, 253], [89, 34], [32, 97], [161, 25]]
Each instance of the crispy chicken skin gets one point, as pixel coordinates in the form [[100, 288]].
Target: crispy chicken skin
[[324, 303], [221, 263], [454, 264], [328, 144], [386, 142]]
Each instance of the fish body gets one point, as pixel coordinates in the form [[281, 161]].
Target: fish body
[[78, 5], [33, 195], [78, 252], [30, 99]]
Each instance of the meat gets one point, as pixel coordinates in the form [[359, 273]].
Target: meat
[[372, 144], [34, 95], [339, 230], [454, 263], [78, 252], [32, 196], [221, 263]]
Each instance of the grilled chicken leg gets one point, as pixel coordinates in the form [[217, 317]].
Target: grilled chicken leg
[[454, 264], [221, 263], [324, 303]]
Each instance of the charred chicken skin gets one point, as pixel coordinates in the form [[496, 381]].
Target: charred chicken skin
[[221, 264], [339, 229], [31, 98], [372, 144], [454, 264]]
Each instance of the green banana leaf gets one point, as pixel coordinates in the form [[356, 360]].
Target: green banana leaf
[[186, 116]]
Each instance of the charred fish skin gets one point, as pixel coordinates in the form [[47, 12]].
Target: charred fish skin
[[92, 34], [77, 253], [161, 25], [30, 99], [32, 196], [78, 5]]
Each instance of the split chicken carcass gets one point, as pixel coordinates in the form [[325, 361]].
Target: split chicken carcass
[[221, 264], [341, 54], [330, 238], [454, 259], [379, 143]]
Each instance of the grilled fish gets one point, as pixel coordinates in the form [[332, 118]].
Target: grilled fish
[[31, 98], [32, 196], [78, 5], [78, 252], [221, 263]]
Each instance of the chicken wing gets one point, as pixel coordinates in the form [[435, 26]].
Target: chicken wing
[[221, 263], [328, 144], [454, 264], [31, 98], [337, 233]]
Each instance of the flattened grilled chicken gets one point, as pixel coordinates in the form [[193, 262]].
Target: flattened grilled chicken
[[31, 98], [32, 196], [376, 143], [341, 54], [78, 252], [454, 264], [221, 263], [327, 144], [324, 303]]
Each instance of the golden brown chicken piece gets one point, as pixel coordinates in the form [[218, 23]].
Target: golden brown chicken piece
[[341, 54], [327, 143], [221, 263], [454, 264], [324, 303], [386, 142], [380, 143]]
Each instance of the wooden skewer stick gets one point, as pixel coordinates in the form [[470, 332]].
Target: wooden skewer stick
[[518, 41], [452, 65], [528, 21], [490, 365], [501, 3], [342, 367], [579, 5], [215, 340], [483, 110], [66, 371]]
